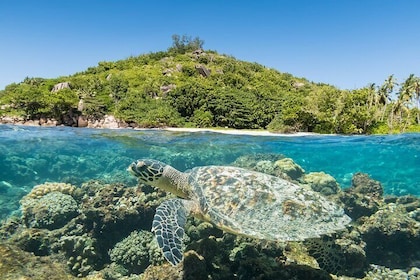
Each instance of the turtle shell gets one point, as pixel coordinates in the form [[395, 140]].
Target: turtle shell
[[262, 206]]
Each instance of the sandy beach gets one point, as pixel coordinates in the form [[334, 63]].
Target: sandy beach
[[239, 131], [231, 131]]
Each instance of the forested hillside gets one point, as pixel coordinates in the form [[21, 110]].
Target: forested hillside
[[192, 87]]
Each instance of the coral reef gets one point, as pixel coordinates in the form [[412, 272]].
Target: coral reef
[[392, 237], [102, 231], [52, 210], [40, 190], [81, 252], [136, 252]]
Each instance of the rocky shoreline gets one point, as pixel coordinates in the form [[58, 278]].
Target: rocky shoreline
[[108, 121], [111, 122]]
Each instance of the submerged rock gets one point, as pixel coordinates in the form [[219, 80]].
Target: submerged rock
[[392, 237], [18, 264], [381, 272], [322, 183], [363, 184], [164, 272], [363, 198], [290, 168], [250, 161]]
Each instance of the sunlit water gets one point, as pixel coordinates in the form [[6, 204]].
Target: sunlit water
[[34, 155]]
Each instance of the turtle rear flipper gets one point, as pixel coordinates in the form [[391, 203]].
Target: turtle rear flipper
[[168, 226]]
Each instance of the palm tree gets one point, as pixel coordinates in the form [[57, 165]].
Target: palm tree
[[417, 96], [384, 93], [405, 97], [407, 89], [372, 99]]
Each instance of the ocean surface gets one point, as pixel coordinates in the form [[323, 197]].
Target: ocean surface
[[34, 155]]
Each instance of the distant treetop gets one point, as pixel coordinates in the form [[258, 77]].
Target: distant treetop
[[184, 43]]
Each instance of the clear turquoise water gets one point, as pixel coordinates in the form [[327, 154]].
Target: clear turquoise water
[[34, 155]]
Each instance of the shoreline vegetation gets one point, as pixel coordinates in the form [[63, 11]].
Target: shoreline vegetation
[[187, 86]]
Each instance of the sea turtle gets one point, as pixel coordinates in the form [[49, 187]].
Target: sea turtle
[[238, 201]]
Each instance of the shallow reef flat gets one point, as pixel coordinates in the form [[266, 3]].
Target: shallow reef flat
[[99, 230]]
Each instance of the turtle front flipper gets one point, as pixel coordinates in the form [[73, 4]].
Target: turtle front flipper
[[168, 226]]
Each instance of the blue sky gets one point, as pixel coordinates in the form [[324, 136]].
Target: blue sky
[[346, 43]]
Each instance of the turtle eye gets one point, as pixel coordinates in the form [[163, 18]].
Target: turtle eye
[[146, 170]]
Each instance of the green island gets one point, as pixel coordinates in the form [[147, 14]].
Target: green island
[[187, 86]]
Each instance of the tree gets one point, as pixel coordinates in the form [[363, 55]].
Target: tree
[[184, 43], [94, 96], [407, 89], [59, 103], [384, 94], [400, 111], [417, 96]]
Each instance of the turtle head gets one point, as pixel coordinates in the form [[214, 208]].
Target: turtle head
[[158, 174], [149, 171]]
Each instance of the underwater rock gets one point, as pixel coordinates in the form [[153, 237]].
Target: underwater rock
[[381, 272], [251, 160], [136, 252], [363, 198], [17, 264], [363, 184], [297, 253], [9, 226], [50, 211], [194, 266], [411, 205], [264, 166], [197, 230], [32, 240], [251, 262], [164, 271], [322, 183], [272, 164], [290, 168], [392, 237]]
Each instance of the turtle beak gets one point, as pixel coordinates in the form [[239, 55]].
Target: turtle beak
[[131, 168]]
